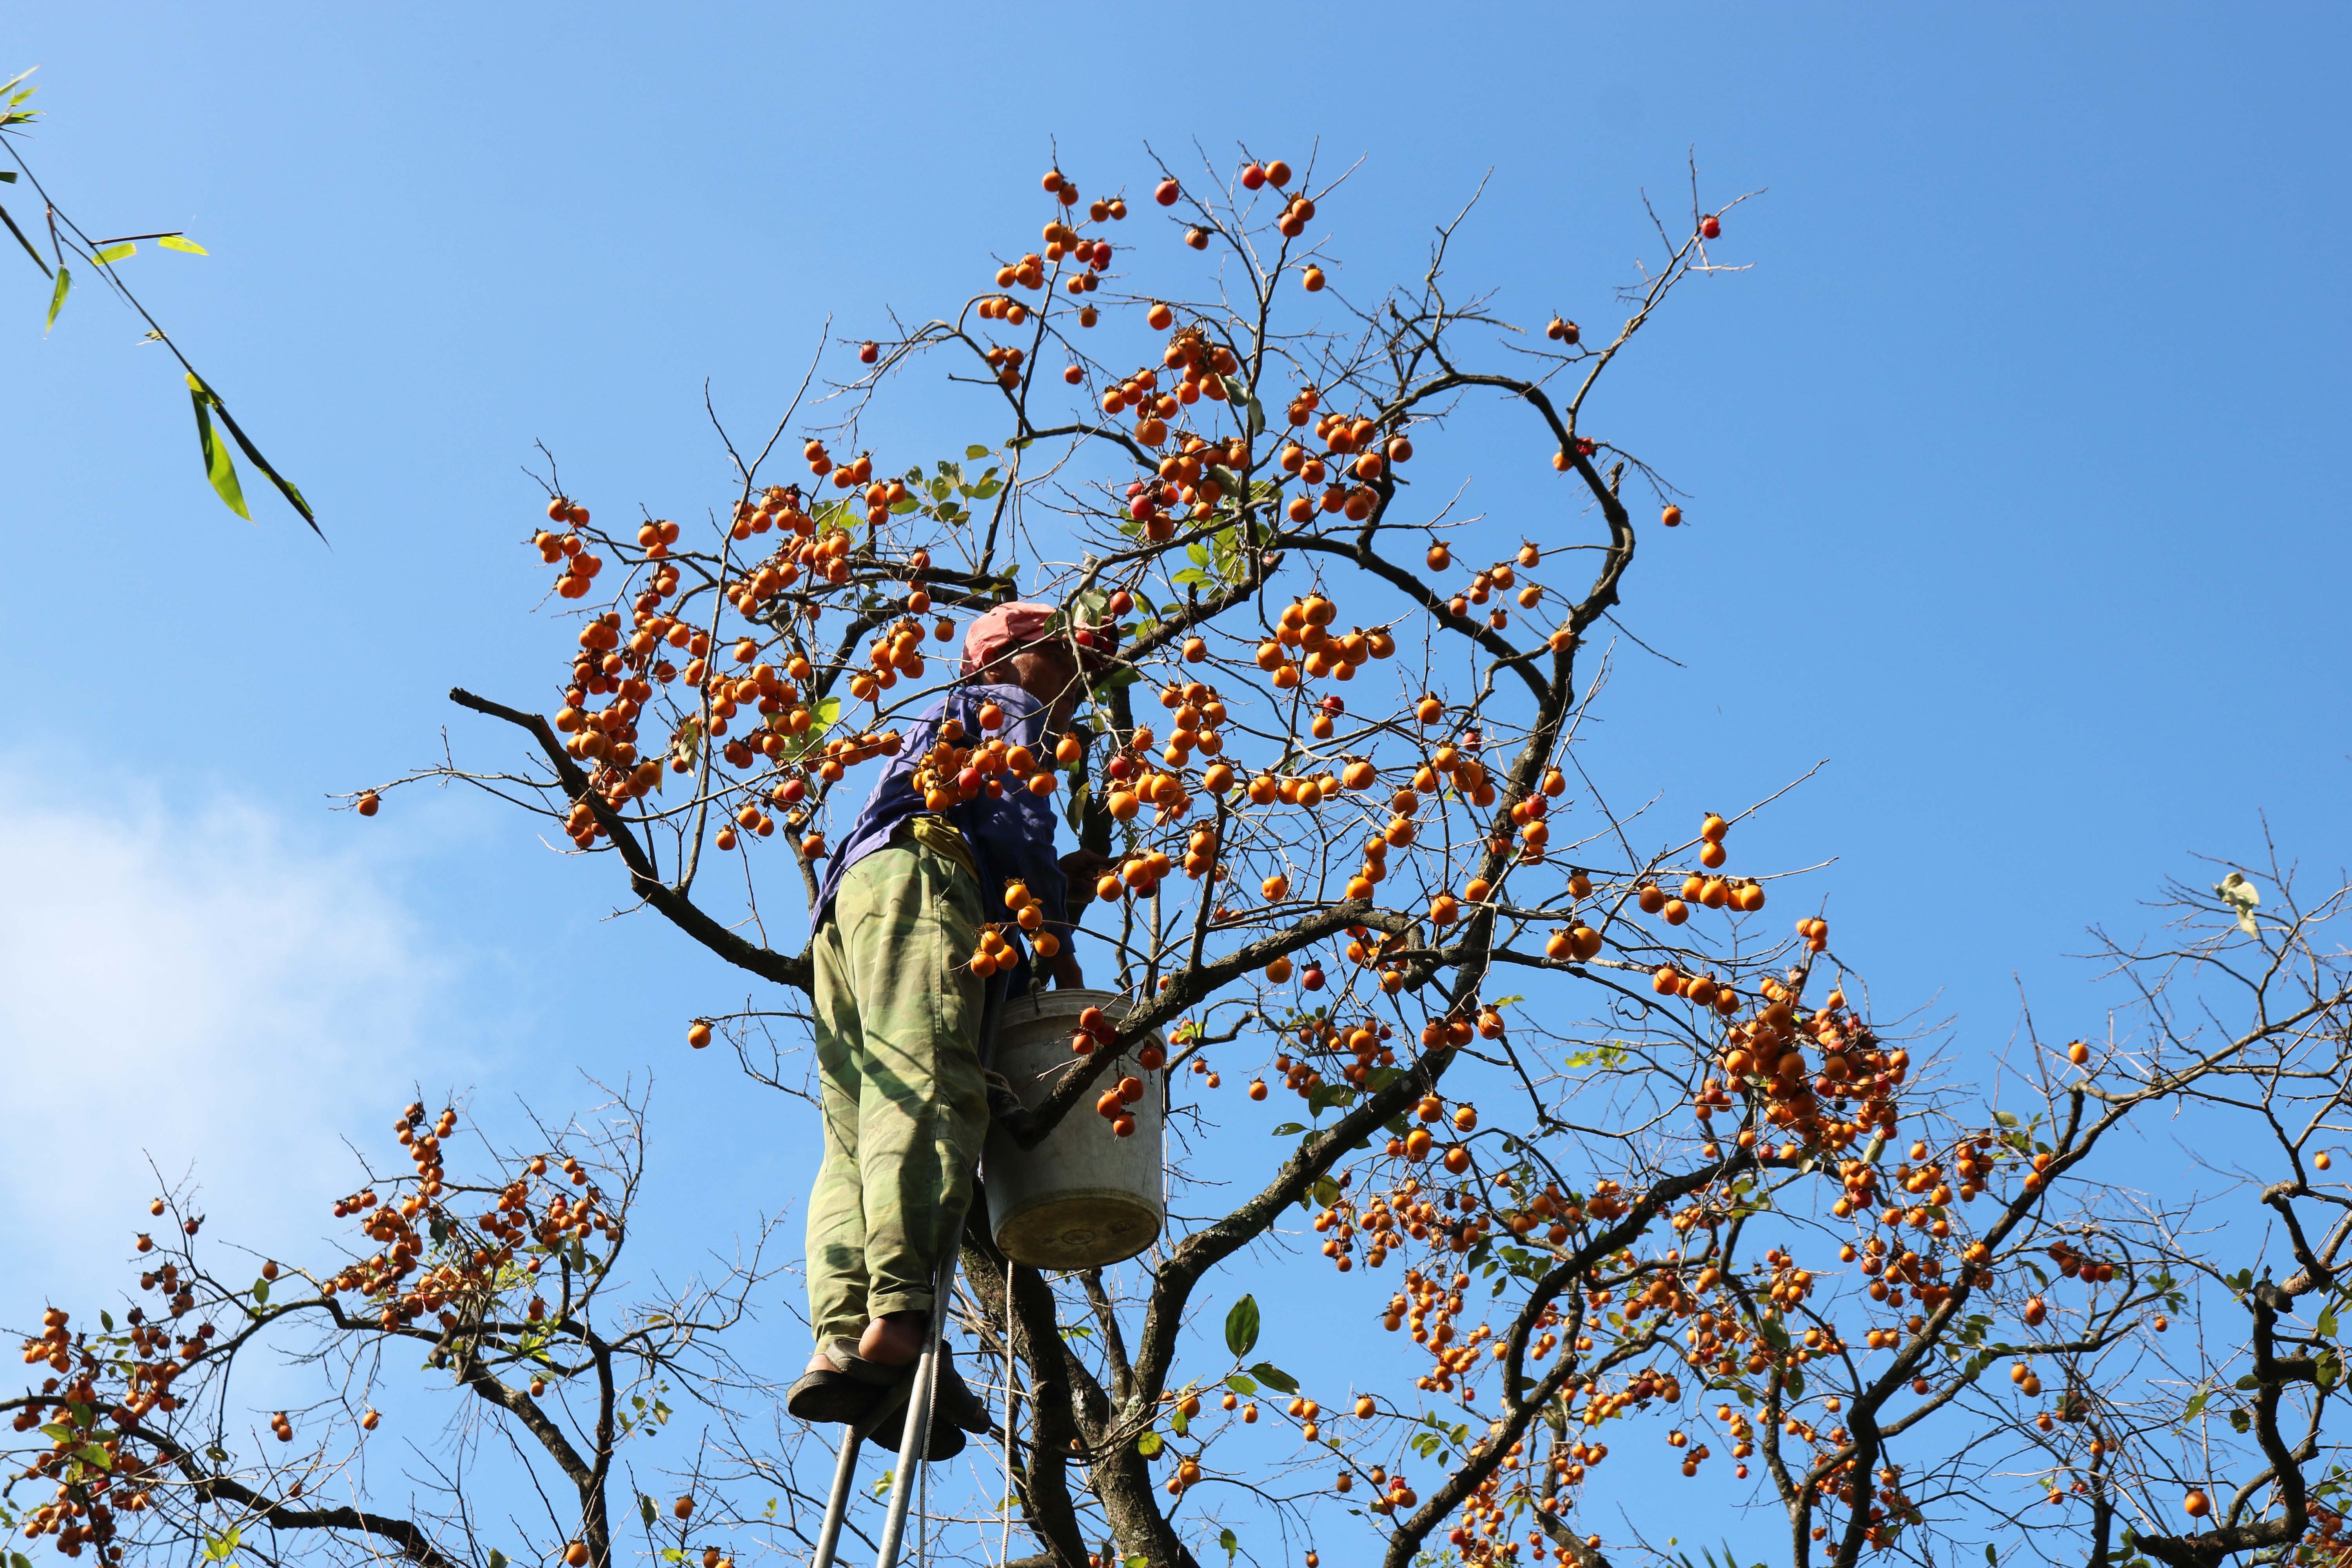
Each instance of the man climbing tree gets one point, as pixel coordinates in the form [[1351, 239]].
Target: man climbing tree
[[898, 1004]]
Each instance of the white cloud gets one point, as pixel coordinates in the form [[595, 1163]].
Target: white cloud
[[196, 984]]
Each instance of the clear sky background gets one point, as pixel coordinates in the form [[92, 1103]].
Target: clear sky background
[[2007, 465]]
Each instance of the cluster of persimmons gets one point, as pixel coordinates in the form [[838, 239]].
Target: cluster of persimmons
[[425, 1265]]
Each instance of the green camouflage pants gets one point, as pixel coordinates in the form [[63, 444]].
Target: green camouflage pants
[[898, 1036]]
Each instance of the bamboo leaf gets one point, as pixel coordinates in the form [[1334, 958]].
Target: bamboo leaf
[[253, 455], [114, 253], [180, 242], [58, 297], [218, 469]]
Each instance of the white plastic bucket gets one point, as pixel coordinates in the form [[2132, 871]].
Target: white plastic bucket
[[1084, 1197]]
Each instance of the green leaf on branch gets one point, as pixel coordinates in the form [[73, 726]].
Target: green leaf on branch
[[1230, 1541], [218, 469], [114, 253], [1242, 1383], [1149, 1444], [1241, 1326], [1330, 1094], [261, 1292], [1180, 1421], [57, 292], [1274, 1377], [28, 244], [645, 1510], [975, 452], [180, 242]]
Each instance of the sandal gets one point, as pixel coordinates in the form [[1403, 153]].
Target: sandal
[[955, 1410], [825, 1395]]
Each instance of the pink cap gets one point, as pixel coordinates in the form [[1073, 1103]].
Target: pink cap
[[1006, 629], [1009, 629]]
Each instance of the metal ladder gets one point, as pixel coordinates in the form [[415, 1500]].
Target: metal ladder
[[917, 1392]]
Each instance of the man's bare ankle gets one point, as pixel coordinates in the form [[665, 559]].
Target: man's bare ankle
[[894, 1338]]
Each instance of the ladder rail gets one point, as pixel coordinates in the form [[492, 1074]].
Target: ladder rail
[[845, 1472], [919, 1391], [916, 1436]]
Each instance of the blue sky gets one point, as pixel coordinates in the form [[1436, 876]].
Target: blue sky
[[2006, 465]]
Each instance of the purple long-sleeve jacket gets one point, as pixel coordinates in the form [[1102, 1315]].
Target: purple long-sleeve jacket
[[1010, 836]]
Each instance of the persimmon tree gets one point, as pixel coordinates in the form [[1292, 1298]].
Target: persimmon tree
[[1593, 1147]]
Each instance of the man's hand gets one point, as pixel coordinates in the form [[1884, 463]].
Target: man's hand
[[1083, 869]]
